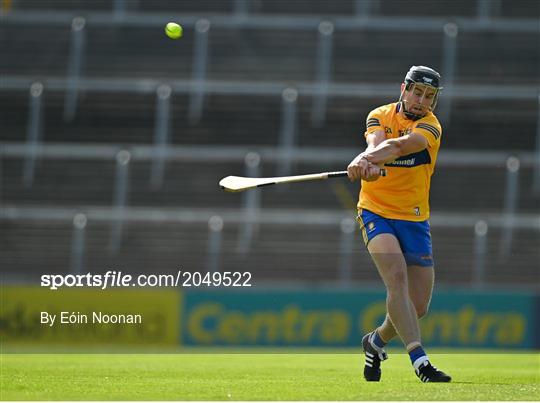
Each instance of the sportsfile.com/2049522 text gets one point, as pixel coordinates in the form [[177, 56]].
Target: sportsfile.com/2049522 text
[[118, 279]]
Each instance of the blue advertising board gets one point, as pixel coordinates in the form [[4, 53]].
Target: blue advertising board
[[330, 318]]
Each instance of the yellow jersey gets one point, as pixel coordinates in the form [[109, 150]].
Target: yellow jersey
[[403, 193]]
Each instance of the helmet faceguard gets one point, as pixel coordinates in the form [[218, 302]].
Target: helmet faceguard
[[420, 80]]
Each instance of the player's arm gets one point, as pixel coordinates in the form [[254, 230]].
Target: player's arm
[[391, 149], [359, 167], [373, 140]]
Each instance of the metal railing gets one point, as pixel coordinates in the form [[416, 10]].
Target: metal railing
[[360, 21], [476, 223], [197, 88], [325, 28], [485, 9], [251, 216]]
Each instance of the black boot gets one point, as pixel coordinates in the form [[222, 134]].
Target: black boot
[[428, 373], [374, 356]]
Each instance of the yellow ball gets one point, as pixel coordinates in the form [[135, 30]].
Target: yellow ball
[[173, 30]]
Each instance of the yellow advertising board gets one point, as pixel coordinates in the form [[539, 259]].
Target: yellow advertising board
[[89, 316]]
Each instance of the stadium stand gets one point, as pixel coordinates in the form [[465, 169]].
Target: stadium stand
[[254, 64], [129, 118]]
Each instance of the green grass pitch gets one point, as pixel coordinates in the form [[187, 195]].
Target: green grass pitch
[[283, 376]]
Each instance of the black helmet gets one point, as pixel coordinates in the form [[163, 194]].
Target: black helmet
[[421, 75]]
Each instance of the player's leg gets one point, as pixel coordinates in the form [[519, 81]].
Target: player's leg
[[420, 288], [373, 225], [420, 280], [415, 240], [415, 243], [416, 237], [386, 253]]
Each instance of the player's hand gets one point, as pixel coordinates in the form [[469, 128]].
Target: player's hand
[[357, 169], [373, 172]]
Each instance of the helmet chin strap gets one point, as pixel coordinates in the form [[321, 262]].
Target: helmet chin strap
[[410, 115]]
